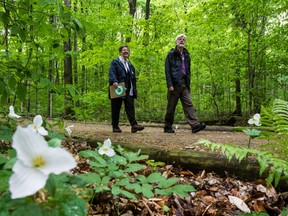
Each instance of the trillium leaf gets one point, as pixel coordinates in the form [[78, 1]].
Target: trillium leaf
[[54, 142]]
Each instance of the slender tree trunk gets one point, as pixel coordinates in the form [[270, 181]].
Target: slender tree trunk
[[251, 74], [146, 30], [132, 11], [51, 77], [68, 77], [238, 110]]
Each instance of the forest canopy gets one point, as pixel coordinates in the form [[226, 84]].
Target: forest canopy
[[55, 55]]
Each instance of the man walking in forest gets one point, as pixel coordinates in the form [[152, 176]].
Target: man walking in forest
[[178, 76], [122, 71]]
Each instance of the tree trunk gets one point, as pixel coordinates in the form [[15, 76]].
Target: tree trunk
[[251, 74], [132, 11], [238, 110], [68, 77]]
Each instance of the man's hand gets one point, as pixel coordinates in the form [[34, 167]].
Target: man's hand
[[115, 84], [171, 88]]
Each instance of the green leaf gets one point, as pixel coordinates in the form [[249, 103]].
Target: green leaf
[[105, 180], [30, 209], [3, 159], [121, 160], [270, 178], [54, 142], [132, 156], [148, 193], [116, 190], [10, 163], [93, 178], [113, 167], [277, 177], [116, 174], [21, 92], [183, 190], [12, 82], [4, 179], [54, 134], [128, 195], [133, 168], [253, 133], [51, 184], [135, 186], [122, 182], [142, 178], [155, 177], [6, 133], [164, 192], [73, 205], [168, 182], [5, 18]]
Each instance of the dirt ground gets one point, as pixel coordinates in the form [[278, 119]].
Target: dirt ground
[[154, 135]]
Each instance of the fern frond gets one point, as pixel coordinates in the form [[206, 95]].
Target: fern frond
[[281, 108]]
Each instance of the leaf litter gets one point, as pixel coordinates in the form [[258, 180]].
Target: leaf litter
[[215, 195]]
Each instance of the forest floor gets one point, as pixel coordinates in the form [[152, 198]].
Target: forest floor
[[214, 194]]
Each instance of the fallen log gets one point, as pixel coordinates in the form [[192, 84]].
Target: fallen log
[[247, 169]]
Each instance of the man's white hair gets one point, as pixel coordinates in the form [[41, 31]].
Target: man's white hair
[[180, 35]]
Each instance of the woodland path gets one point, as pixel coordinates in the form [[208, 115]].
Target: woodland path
[[180, 148], [153, 135]]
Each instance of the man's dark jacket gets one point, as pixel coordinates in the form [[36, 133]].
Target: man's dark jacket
[[117, 73], [173, 68]]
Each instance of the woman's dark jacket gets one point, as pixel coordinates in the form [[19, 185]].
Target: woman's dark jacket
[[173, 68], [117, 73]]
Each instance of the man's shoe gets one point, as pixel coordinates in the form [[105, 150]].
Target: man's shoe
[[136, 128], [116, 130], [198, 127], [168, 130]]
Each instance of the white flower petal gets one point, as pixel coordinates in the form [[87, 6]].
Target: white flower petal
[[256, 116], [12, 114], [42, 131], [11, 109], [31, 126], [38, 120], [35, 161], [250, 121], [26, 181], [110, 152], [101, 151], [28, 144], [57, 160], [69, 129], [107, 143]]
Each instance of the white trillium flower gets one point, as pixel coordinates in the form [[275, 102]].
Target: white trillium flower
[[12, 114], [69, 129], [106, 149], [255, 120], [35, 161], [36, 126]]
